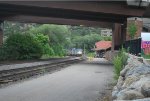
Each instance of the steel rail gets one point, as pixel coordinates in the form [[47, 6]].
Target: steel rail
[[13, 75]]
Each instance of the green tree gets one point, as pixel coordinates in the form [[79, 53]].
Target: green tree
[[88, 41], [22, 46], [82, 30], [15, 27], [44, 42], [132, 29], [55, 39], [58, 34]]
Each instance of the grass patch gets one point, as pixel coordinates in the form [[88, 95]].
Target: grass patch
[[146, 56], [91, 54]]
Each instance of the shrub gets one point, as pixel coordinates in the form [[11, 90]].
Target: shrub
[[22, 46], [48, 50], [123, 56], [43, 40], [117, 66], [119, 62], [58, 50], [3, 53], [91, 54], [107, 38]]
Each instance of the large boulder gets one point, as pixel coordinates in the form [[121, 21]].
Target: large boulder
[[129, 80], [140, 70], [115, 92], [129, 95], [133, 61], [124, 71], [145, 89], [120, 82]]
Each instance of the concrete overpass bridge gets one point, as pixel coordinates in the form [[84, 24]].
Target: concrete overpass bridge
[[107, 14]]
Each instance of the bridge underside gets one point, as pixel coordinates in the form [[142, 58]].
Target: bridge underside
[[61, 21], [115, 12], [101, 14]]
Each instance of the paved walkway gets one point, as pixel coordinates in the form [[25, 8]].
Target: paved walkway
[[79, 82]]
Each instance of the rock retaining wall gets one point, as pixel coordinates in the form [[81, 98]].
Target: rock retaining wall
[[134, 81]]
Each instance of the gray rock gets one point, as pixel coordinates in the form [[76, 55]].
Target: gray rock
[[124, 71], [145, 99], [140, 70], [120, 82], [129, 80], [141, 59], [145, 62], [145, 89], [114, 94], [129, 95], [138, 84], [133, 60]]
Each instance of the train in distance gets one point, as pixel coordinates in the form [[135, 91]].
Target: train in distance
[[75, 52]]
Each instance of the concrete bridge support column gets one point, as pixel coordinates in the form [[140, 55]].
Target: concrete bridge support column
[[116, 40], [116, 35], [1, 34]]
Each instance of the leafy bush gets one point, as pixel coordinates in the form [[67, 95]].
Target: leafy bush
[[107, 38], [91, 54], [3, 53], [119, 62], [54, 38], [43, 40], [22, 46], [58, 50], [53, 50], [123, 56], [117, 66], [48, 50], [57, 33]]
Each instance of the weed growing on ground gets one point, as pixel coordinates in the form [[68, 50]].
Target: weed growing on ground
[[117, 66], [119, 62]]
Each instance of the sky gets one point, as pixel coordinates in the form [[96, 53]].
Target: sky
[[145, 36]]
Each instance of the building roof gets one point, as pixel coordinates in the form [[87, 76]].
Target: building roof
[[102, 45]]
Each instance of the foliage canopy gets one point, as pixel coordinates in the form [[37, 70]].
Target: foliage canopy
[[21, 46], [46, 39]]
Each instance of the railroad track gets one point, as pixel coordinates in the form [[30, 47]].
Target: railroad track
[[13, 75]]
